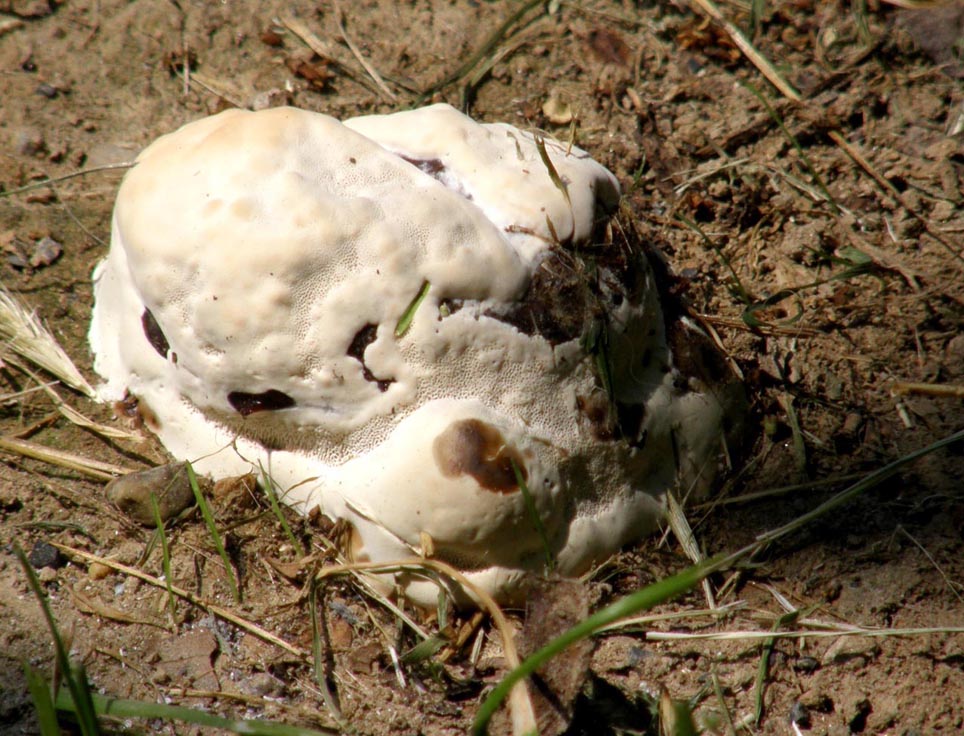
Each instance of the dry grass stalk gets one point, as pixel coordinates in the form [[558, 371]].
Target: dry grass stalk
[[366, 65], [91, 468], [75, 417], [763, 634], [325, 50], [26, 336], [73, 175], [523, 715], [211, 608], [907, 388], [684, 534], [791, 93]]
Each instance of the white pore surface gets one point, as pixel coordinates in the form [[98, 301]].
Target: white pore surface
[[263, 243]]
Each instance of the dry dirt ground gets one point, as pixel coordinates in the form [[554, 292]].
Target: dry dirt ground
[[838, 217]]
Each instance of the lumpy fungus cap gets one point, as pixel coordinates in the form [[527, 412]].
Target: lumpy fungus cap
[[423, 325]]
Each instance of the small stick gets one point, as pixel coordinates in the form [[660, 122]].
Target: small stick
[[53, 180], [905, 388]]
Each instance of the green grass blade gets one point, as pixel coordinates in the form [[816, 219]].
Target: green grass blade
[[165, 558], [534, 514], [318, 656], [641, 600], [775, 116], [42, 701], [213, 529], [279, 515], [736, 287], [78, 687], [405, 321], [117, 708]]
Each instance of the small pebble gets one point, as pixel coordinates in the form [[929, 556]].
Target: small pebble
[[131, 493], [98, 571], [262, 684], [47, 90], [29, 142], [45, 252], [43, 555], [806, 664], [47, 575]]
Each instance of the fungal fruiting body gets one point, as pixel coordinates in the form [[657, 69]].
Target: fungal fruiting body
[[423, 325]]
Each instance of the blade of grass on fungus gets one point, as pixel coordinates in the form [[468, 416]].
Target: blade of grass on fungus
[[202, 504], [405, 321], [76, 680], [119, 708], [43, 703], [165, 558], [646, 598], [557, 181], [533, 515]]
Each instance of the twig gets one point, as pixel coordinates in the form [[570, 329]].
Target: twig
[[905, 388], [83, 172]]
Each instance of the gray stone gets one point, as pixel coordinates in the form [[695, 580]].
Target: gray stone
[[131, 493]]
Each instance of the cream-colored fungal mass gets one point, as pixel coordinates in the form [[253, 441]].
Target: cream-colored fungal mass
[[399, 317]]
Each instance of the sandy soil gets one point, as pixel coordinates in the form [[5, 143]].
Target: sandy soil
[[851, 200]]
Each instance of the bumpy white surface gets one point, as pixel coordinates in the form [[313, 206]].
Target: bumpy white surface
[[261, 245]]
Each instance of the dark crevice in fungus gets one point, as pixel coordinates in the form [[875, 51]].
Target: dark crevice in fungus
[[436, 169], [472, 447], [359, 343], [576, 285], [431, 166], [270, 400], [154, 334], [613, 421]]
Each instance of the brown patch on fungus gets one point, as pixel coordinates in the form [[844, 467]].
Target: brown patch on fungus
[[270, 400], [154, 334], [472, 447], [597, 410]]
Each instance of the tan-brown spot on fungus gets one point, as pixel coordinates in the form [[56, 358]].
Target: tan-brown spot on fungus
[[472, 447]]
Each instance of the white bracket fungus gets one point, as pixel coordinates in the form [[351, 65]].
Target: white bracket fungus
[[402, 317]]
